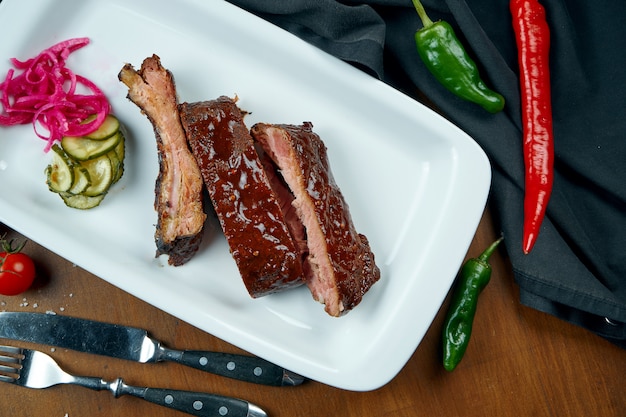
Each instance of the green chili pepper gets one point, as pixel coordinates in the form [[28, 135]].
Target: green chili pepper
[[457, 329], [444, 56]]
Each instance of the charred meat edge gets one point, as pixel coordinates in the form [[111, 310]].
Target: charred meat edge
[[179, 186]]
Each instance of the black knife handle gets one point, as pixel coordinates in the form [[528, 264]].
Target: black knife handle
[[241, 367], [202, 404]]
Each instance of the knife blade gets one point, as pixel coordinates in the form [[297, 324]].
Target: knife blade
[[134, 344]]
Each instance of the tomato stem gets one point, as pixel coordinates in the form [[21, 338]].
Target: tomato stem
[[7, 246]]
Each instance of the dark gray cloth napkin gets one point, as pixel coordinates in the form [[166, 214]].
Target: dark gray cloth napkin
[[577, 270]]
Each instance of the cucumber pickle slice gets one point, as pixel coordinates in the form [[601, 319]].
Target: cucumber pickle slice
[[109, 127], [101, 175], [60, 172], [84, 149], [84, 168]]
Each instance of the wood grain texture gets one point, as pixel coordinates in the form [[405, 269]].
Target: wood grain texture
[[520, 362]]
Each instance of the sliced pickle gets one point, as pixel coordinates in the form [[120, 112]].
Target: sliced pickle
[[60, 172]]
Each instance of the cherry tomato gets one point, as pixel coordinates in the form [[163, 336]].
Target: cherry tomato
[[17, 272]]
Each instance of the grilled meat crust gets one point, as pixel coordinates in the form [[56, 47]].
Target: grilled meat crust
[[179, 186], [246, 206], [283, 215], [340, 266]]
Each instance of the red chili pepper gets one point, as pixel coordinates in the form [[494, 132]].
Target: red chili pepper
[[533, 44]]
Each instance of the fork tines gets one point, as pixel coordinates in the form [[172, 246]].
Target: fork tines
[[10, 358]]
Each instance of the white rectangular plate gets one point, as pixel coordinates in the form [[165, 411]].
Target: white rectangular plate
[[416, 184]]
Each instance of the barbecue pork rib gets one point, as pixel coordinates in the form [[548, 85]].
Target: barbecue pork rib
[[339, 267], [179, 186], [259, 239]]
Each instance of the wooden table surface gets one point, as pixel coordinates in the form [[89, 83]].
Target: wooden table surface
[[520, 362]]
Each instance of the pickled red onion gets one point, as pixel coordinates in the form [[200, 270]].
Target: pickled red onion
[[45, 94]]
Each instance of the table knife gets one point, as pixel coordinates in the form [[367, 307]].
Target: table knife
[[135, 344]]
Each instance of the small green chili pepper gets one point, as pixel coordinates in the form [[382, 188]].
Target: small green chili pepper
[[444, 56], [457, 329]]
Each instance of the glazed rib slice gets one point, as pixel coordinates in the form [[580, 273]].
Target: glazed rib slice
[[340, 266], [179, 187], [246, 206]]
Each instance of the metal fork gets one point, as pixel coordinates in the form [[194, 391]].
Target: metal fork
[[34, 369]]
